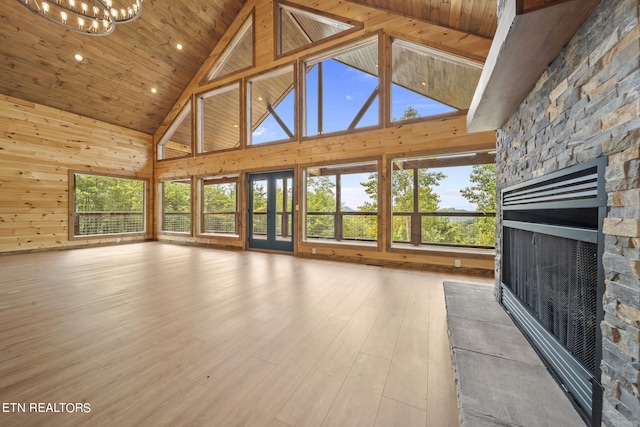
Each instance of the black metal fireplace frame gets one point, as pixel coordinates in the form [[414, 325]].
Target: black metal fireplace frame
[[531, 206]]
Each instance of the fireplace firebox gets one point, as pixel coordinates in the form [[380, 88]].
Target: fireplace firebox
[[552, 279]]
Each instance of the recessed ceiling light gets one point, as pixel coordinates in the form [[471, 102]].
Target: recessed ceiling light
[[424, 84], [154, 90], [179, 46], [78, 57]]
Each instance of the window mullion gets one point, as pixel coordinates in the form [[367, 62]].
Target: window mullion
[[364, 109], [416, 218], [277, 118], [338, 220], [285, 212], [320, 99]]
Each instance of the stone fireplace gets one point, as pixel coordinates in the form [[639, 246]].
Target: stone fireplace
[[585, 106]]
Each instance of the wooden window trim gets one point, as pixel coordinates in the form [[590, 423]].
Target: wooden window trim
[[222, 179], [357, 26], [249, 22], [160, 204], [318, 58], [293, 66], [186, 109], [421, 161], [200, 119], [338, 169], [72, 206]]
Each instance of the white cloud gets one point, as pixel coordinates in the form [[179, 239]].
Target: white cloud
[[260, 131]]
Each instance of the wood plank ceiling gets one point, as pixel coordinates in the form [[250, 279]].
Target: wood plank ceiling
[[113, 83], [471, 16]]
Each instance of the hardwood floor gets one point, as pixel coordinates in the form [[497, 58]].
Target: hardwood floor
[[158, 334]]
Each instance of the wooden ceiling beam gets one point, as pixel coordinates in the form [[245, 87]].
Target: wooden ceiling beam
[[524, 6], [445, 161]]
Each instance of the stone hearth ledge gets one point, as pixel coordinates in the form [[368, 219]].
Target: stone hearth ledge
[[500, 380]]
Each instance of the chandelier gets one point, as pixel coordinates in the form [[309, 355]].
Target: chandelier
[[92, 17]]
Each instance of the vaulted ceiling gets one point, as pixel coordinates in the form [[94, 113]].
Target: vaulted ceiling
[[114, 80]]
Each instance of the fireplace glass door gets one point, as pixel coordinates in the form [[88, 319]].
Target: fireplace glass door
[[552, 276]]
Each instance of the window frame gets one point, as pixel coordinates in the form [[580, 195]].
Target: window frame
[[72, 206], [248, 24], [296, 107], [339, 49], [446, 160], [186, 109], [220, 179], [200, 118], [338, 213], [283, 5], [161, 204], [434, 53]]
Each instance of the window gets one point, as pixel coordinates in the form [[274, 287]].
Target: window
[[271, 100], [219, 119], [341, 202], [220, 205], [238, 55], [176, 142], [427, 82], [176, 206], [342, 89], [447, 200], [298, 27], [106, 205]]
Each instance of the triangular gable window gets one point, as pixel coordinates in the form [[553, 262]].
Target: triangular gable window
[[298, 27], [238, 55], [176, 142], [428, 82]]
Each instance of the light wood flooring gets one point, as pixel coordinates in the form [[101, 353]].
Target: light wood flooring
[[158, 334]]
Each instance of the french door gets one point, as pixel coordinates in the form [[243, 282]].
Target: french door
[[271, 211]]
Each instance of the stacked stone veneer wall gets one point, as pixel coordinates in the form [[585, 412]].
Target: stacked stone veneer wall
[[587, 104]]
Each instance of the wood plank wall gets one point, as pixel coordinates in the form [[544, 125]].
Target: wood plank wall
[[440, 136], [38, 147]]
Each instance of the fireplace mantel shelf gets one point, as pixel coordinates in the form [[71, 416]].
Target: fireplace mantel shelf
[[527, 40]]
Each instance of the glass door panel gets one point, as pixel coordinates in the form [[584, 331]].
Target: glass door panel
[[271, 211], [284, 209], [259, 191]]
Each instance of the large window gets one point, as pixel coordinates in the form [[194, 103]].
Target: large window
[[300, 27], [341, 202], [220, 205], [271, 99], [427, 82], [444, 201], [219, 119], [238, 54], [176, 206], [176, 142], [341, 89], [106, 205]]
